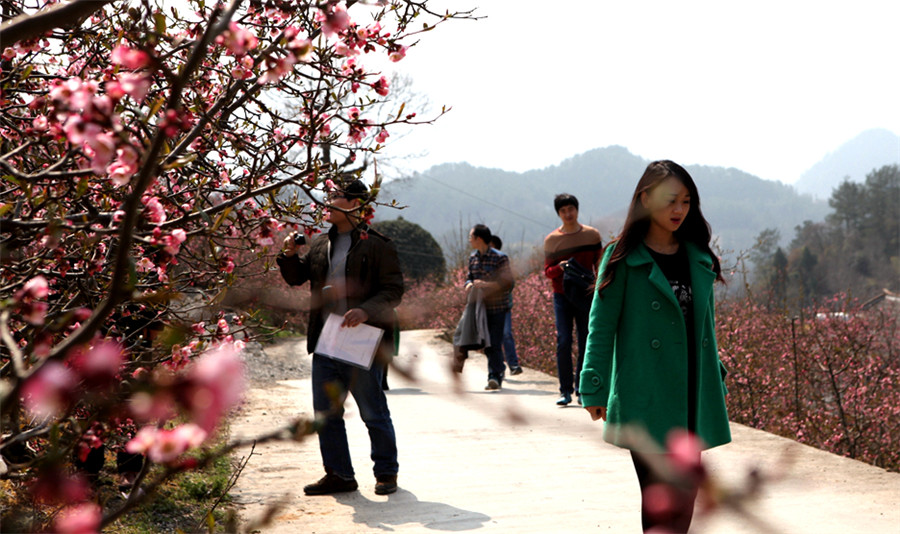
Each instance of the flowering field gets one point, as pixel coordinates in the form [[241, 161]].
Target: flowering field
[[830, 379]]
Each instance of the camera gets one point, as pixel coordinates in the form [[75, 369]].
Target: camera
[[299, 239]]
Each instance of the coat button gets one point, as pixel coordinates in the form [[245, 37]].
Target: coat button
[[596, 380], [654, 305], [655, 344], [706, 342]]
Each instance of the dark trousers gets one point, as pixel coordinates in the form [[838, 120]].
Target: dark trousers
[[494, 353], [331, 380], [663, 504], [567, 317]]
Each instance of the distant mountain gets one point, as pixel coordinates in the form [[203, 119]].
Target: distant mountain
[[854, 159], [448, 199]]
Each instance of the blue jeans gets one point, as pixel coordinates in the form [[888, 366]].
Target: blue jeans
[[566, 315], [365, 386], [509, 344], [494, 353]]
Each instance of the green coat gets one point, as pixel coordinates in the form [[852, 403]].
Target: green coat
[[636, 359]]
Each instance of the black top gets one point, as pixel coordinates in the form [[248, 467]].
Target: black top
[[678, 272]]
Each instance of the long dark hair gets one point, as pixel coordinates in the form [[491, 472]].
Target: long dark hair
[[694, 228]]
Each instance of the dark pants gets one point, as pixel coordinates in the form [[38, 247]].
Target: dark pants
[[672, 514], [331, 379], [494, 353], [509, 343], [568, 316]]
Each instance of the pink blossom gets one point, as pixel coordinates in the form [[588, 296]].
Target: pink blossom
[[153, 210], [165, 446], [126, 164], [79, 131], [229, 266], [334, 19], [343, 49], [129, 57], [174, 240], [35, 288], [277, 68], [351, 68], [158, 406], [134, 85], [237, 40], [214, 385], [100, 148], [81, 518], [144, 265], [99, 364], [684, 451], [222, 326], [381, 86], [660, 501], [40, 123], [382, 136], [142, 440], [48, 392], [397, 53]]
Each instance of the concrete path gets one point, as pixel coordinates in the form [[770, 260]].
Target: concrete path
[[512, 461]]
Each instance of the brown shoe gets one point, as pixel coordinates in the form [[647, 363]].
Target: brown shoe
[[385, 484], [329, 484]]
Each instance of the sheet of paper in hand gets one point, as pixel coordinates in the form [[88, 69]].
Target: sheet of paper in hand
[[356, 345]]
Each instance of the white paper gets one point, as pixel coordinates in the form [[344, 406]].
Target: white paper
[[354, 345]]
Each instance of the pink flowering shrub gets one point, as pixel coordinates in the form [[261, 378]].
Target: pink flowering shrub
[[430, 304], [830, 379], [149, 158]]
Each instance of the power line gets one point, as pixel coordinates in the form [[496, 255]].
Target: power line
[[498, 206]]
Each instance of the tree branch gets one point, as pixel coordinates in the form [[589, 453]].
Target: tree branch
[[30, 26]]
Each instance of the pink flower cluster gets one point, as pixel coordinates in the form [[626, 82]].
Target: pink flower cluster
[[30, 300], [81, 518], [237, 40], [88, 119], [165, 446], [206, 390], [52, 389], [333, 18]]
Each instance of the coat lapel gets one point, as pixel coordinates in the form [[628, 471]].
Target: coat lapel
[[641, 256]]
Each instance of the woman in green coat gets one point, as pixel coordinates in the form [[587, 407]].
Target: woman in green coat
[[651, 365]]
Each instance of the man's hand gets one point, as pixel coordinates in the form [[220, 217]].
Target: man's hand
[[355, 317], [289, 247], [597, 412]]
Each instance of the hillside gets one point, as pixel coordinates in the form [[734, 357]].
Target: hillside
[[448, 199], [854, 159]]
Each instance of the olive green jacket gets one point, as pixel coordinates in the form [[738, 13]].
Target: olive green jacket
[[636, 359]]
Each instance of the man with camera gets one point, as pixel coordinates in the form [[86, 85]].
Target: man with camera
[[353, 272]]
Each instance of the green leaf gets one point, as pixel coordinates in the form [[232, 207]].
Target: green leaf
[[82, 187], [160, 20], [180, 162]]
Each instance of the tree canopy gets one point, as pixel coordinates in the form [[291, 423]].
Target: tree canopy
[[143, 146], [420, 254]]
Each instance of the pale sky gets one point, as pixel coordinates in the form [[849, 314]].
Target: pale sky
[[769, 87]]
